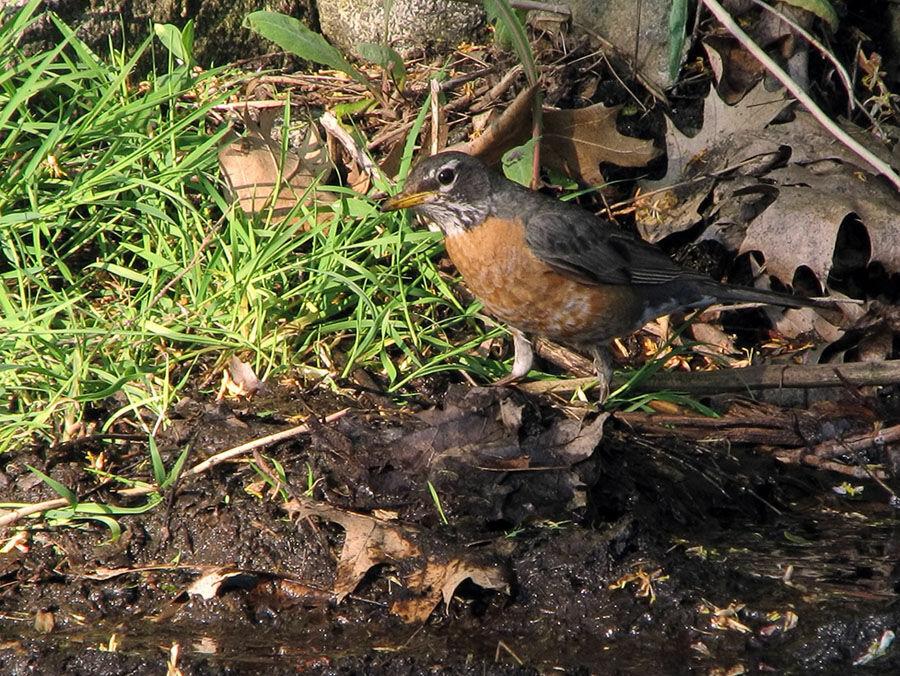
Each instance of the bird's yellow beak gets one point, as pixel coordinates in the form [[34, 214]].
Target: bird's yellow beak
[[403, 201]]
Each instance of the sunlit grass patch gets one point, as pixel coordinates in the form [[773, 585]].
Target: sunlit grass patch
[[126, 272]]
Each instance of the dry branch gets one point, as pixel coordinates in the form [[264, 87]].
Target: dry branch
[[776, 377]]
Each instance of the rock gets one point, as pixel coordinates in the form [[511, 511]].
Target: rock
[[430, 24], [624, 24]]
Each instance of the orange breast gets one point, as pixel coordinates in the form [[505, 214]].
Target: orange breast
[[519, 289]]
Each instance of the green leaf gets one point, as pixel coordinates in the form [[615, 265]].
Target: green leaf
[[174, 40], [677, 23], [153, 499], [518, 163], [821, 8], [160, 330], [187, 38], [61, 490], [353, 107], [384, 56], [159, 469], [115, 530], [437, 502], [175, 472], [501, 13], [293, 36]]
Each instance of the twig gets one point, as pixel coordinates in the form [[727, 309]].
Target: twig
[[240, 105], [498, 90], [820, 455], [454, 82], [843, 137], [435, 88], [333, 127], [882, 437], [802, 456], [742, 379], [874, 474], [776, 377], [16, 514], [501, 644], [219, 458]]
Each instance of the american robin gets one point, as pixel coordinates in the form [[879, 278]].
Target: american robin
[[551, 268]]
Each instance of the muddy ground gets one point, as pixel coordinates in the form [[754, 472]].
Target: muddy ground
[[591, 548]]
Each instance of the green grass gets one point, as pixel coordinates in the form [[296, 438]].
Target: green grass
[[126, 274], [128, 277]]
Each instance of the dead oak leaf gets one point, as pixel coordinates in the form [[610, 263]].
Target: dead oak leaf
[[576, 141], [695, 161], [438, 580], [260, 176], [717, 144], [427, 575], [368, 542], [815, 200], [239, 380]]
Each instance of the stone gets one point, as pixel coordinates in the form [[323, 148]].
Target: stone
[[431, 24]]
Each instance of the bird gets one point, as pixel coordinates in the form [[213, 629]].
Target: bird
[[551, 268]]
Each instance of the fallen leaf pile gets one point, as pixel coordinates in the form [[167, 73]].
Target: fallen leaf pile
[[429, 570], [783, 189], [488, 450]]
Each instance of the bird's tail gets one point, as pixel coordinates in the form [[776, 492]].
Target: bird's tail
[[709, 291]]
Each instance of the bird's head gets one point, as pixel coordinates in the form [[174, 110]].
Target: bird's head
[[451, 189]]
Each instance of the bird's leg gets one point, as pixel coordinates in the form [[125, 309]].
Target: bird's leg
[[522, 360], [603, 366]]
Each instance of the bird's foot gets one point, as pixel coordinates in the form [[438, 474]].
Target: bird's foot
[[522, 360], [603, 366]]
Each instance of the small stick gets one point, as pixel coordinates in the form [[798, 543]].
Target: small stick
[[16, 514], [776, 377], [435, 114], [13, 516], [333, 127], [219, 458]]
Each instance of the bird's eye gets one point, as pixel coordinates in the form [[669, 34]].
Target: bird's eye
[[446, 176]]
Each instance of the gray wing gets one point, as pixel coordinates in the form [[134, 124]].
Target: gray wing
[[591, 250]]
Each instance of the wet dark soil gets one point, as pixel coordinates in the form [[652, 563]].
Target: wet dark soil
[[622, 553]]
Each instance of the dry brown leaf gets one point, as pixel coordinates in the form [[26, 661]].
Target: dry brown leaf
[[251, 166], [572, 441], [44, 621], [712, 340], [207, 585], [577, 141], [244, 379], [512, 128], [800, 228], [693, 161], [736, 70], [358, 179], [784, 190], [439, 580], [369, 541], [268, 588], [720, 167]]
